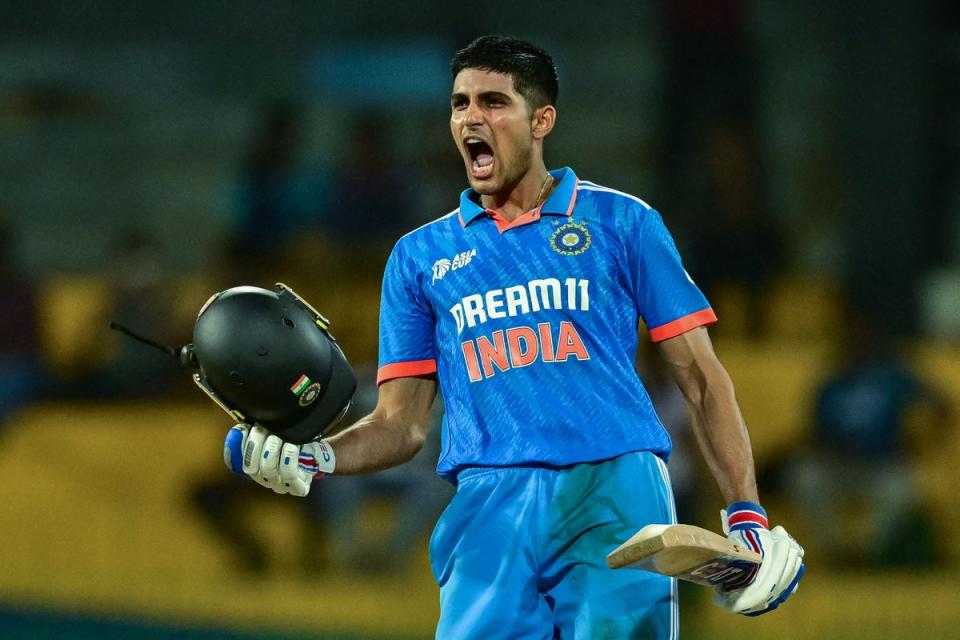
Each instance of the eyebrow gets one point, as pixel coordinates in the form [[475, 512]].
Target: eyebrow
[[486, 95]]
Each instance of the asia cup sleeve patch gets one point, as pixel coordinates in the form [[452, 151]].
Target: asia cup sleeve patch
[[571, 239], [407, 345]]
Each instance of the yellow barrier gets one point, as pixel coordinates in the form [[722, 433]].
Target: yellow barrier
[[97, 521], [775, 382], [73, 317]]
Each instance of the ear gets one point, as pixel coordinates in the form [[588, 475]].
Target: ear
[[543, 120]]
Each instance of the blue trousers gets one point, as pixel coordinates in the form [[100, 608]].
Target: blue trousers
[[520, 553]]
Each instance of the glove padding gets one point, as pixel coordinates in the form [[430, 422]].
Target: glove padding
[[780, 569], [281, 466]]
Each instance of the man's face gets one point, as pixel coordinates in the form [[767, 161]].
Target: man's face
[[492, 128]]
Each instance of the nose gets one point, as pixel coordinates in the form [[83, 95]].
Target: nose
[[473, 114]]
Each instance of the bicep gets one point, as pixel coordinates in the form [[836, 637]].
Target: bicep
[[407, 346], [666, 296]]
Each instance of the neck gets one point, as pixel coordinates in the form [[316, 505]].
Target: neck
[[527, 194]]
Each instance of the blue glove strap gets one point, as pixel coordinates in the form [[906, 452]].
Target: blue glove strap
[[746, 515], [233, 450], [746, 505]]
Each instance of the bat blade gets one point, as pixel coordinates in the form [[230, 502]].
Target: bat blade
[[685, 552]]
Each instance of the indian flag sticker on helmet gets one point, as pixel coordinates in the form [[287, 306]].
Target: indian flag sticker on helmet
[[300, 385]]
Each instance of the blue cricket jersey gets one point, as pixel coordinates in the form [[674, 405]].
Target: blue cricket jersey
[[531, 325]]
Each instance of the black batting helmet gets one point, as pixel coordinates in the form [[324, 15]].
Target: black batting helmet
[[268, 357]]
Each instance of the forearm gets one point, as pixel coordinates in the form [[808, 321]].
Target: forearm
[[393, 433], [374, 443], [722, 435], [717, 422]]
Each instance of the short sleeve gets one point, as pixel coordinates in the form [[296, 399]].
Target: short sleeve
[[667, 297], [407, 343]]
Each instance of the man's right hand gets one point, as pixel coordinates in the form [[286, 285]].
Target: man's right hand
[[281, 466], [778, 574]]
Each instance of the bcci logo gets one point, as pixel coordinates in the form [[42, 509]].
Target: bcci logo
[[441, 266], [310, 395], [570, 239]]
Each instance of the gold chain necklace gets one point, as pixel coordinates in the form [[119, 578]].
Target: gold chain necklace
[[547, 181]]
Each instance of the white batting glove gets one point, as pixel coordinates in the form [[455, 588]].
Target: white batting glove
[[281, 466], [777, 576]]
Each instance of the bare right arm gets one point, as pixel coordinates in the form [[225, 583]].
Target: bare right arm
[[393, 433]]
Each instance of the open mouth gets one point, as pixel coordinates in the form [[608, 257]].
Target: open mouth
[[481, 158]]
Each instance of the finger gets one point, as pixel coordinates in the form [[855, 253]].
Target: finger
[[788, 560], [270, 458], [251, 450], [259, 480], [233, 448], [270, 464], [796, 581], [294, 478], [779, 555], [791, 562], [276, 486], [764, 588], [780, 531], [289, 466], [793, 576], [299, 488], [791, 588]]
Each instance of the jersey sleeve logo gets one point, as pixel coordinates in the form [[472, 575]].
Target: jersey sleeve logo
[[571, 239], [440, 268], [443, 265]]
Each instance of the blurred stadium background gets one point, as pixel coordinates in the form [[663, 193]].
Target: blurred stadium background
[[805, 155]]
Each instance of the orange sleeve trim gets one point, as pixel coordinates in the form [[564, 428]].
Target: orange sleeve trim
[[681, 325], [405, 370]]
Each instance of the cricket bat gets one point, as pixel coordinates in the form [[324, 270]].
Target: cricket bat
[[685, 552]]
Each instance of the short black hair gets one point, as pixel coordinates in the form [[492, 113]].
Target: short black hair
[[534, 75]]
